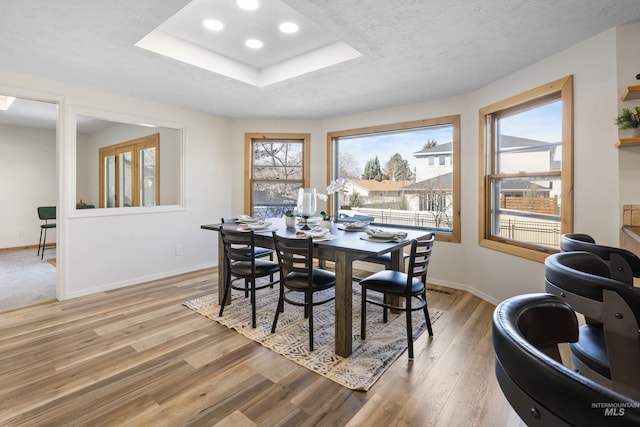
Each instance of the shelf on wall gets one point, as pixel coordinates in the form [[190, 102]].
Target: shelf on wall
[[625, 142], [632, 92]]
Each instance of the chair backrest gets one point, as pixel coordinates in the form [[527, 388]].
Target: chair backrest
[[538, 386], [239, 246], [585, 276], [623, 264], [294, 256], [46, 213], [419, 259], [582, 280]]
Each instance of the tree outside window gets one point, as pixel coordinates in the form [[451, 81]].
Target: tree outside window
[[277, 166]]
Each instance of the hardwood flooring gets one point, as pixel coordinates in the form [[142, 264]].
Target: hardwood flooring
[[137, 357]]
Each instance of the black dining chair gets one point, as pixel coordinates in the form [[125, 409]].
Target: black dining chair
[[541, 389], [393, 285], [298, 277], [384, 260], [623, 265], [260, 252], [46, 214], [608, 347], [241, 264]]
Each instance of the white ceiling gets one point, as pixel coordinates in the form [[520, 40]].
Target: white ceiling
[[412, 50]]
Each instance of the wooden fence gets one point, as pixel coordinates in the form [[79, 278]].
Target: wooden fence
[[543, 205]]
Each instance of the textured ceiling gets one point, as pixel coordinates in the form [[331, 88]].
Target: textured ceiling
[[413, 50]]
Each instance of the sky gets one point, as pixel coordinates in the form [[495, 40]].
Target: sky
[[543, 123], [385, 145]]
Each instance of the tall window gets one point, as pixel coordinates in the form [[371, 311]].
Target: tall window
[[276, 167], [526, 199], [129, 173], [405, 174]]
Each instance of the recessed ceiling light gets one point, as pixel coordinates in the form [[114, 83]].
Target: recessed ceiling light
[[289, 27], [213, 24], [254, 44], [248, 4]]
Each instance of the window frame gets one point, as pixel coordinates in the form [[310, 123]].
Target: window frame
[[563, 87], [454, 235], [249, 138], [135, 146]]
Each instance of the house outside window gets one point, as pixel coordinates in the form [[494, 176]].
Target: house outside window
[[393, 176], [527, 146], [276, 167]]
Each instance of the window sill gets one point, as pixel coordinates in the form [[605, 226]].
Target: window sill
[[530, 254]]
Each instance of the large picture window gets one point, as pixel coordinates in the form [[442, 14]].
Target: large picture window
[[276, 168], [405, 174], [527, 146]]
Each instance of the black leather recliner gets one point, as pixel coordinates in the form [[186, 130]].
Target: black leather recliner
[[608, 348], [526, 331], [623, 264]]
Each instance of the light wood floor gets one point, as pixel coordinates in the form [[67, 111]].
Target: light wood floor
[[136, 356]]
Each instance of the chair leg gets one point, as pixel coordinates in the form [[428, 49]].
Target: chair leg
[[311, 325], [385, 316], [363, 314], [279, 309], [40, 241], [271, 275], [409, 327], [44, 243], [427, 318], [253, 303]]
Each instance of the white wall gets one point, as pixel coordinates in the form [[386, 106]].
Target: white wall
[[101, 249], [596, 206], [27, 180], [628, 52]]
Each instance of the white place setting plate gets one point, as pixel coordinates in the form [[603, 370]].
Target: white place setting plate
[[258, 230], [354, 226], [324, 238], [246, 219], [382, 239], [256, 226]]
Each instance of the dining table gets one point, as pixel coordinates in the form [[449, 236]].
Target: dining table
[[347, 246]]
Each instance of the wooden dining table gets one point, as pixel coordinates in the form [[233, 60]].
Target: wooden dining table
[[346, 247]]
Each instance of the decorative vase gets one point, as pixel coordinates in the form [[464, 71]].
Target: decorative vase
[[306, 205]]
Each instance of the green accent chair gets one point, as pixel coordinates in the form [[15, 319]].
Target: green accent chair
[[46, 214]]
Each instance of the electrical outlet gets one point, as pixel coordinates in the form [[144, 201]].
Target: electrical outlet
[[179, 250], [21, 233]]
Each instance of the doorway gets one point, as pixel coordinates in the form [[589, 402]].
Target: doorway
[[28, 179]]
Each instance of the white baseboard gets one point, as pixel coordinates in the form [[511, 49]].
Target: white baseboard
[[139, 280]]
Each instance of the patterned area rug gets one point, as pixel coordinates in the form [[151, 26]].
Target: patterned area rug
[[370, 357]]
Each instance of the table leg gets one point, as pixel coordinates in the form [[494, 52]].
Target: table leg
[[221, 272], [343, 304]]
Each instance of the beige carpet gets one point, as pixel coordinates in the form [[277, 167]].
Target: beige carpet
[[370, 358]]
